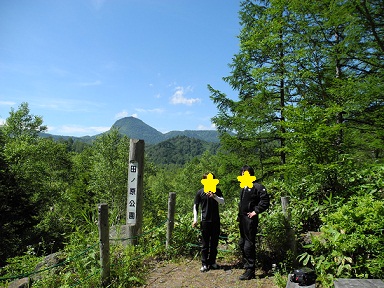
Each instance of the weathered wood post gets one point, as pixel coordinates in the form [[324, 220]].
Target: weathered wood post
[[285, 205], [171, 217], [134, 218], [104, 244], [290, 232]]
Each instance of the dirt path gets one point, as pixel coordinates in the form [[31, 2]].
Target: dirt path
[[186, 273]]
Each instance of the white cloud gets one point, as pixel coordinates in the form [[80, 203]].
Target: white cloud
[[2, 121], [99, 129], [121, 114], [7, 103], [179, 96], [203, 127], [124, 113], [50, 128], [75, 130]]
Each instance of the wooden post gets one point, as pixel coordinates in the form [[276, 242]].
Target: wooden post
[[171, 218], [290, 233], [285, 206], [136, 154], [104, 244]]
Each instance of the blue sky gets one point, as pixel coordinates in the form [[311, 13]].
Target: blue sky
[[83, 64]]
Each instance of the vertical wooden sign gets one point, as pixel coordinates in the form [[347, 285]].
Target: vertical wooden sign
[[132, 192], [135, 190]]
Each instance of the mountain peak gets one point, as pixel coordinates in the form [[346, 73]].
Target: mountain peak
[[136, 129]]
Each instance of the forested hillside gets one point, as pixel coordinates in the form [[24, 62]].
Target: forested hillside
[[179, 150], [308, 117]]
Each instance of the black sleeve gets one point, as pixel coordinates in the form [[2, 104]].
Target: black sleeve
[[219, 193], [264, 199], [197, 199]]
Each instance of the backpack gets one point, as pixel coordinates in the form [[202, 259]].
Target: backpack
[[303, 276]]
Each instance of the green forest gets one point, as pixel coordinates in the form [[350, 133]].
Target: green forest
[[308, 116]]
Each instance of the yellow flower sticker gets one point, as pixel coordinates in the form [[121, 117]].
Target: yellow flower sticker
[[210, 183], [246, 180]]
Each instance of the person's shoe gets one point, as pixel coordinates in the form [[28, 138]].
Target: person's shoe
[[203, 268], [248, 275], [215, 266]]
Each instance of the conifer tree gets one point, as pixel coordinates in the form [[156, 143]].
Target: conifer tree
[[309, 91]]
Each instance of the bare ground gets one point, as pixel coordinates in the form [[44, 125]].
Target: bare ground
[[186, 273]]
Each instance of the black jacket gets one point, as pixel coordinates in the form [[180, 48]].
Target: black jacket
[[253, 199], [209, 206]]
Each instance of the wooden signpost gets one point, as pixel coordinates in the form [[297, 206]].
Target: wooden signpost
[[132, 193], [134, 217]]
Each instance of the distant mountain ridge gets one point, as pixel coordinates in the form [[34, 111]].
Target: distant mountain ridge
[[135, 128]]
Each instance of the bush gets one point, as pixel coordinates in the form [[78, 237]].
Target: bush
[[351, 244], [274, 240]]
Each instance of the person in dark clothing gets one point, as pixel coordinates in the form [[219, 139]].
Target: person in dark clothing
[[210, 224], [253, 201]]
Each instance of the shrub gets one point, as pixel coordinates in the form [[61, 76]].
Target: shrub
[[351, 244]]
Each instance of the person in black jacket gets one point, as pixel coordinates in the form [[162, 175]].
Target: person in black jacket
[[210, 224], [253, 201]]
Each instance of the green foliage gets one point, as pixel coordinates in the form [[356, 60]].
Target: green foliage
[[21, 124], [308, 118], [78, 205], [204, 135], [306, 102], [178, 150], [274, 240], [185, 238], [108, 173], [19, 266], [37, 175], [185, 181], [128, 268], [80, 263], [158, 185], [351, 242], [14, 201], [280, 280], [229, 226]]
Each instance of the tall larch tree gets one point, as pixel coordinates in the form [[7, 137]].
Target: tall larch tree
[[263, 75]]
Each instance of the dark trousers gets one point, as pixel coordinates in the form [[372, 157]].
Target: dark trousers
[[248, 230], [210, 240]]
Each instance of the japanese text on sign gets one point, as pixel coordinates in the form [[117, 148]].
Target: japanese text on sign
[[132, 195]]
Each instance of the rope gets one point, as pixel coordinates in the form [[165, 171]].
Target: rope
[[121, 239], [140, 235], [93, 246], [50, 267]]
